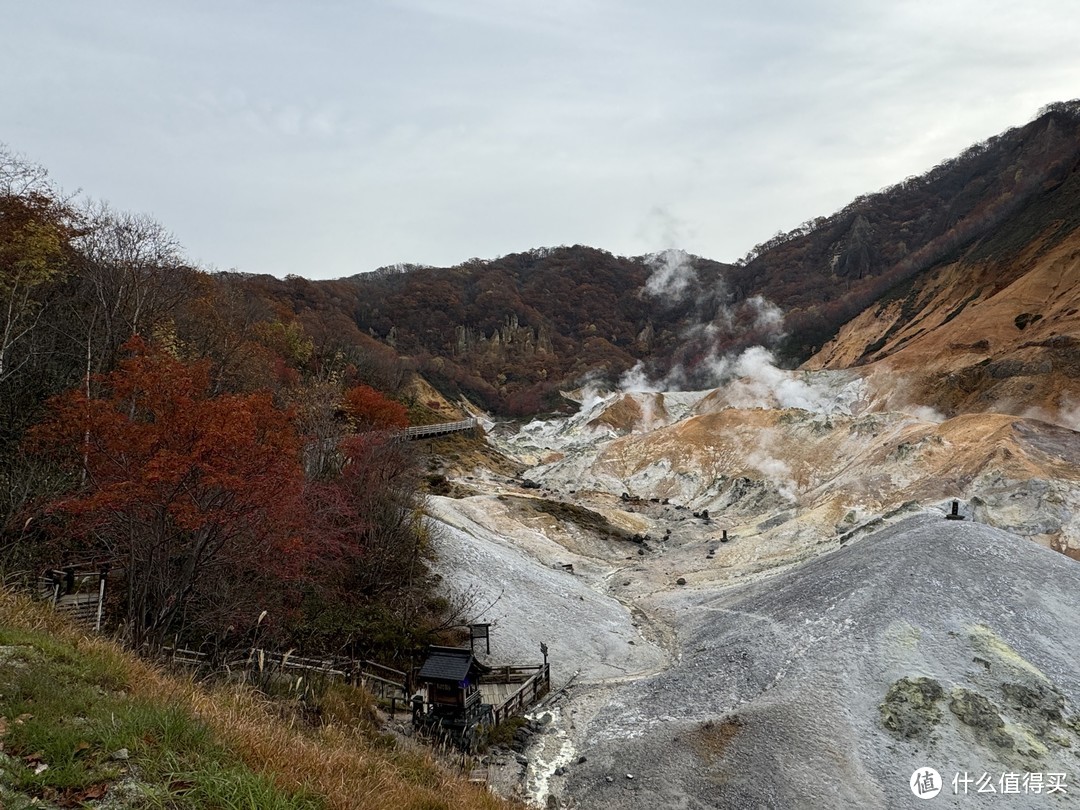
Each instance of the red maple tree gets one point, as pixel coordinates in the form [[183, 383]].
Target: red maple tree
[[196, 497], [367, 409]]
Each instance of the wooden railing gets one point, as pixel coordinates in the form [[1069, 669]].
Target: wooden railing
[[532, 689], [382, 681], [510, 674], [424, 431], [387, 688], [79, 592]]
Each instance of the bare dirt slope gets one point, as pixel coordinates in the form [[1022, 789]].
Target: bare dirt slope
[[977, 335], [512, 575], [756, 471]]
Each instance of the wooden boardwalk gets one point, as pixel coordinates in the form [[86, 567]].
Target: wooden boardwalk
[[441, 429], [514, 689]]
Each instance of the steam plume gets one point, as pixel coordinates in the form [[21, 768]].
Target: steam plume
[[672, 274], [774, 469]]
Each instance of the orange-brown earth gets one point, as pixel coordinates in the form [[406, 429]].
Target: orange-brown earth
[[995, 335]]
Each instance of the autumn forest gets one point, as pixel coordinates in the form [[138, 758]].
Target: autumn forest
[[190, 434]]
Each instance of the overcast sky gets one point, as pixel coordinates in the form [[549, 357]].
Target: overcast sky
[[328, 137]]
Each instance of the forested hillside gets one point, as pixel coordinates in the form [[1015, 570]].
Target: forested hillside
[[192, 435], [830, 269], [511, 331]]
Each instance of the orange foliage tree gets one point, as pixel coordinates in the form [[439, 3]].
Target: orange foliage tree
[[194, 496], [367, 409]]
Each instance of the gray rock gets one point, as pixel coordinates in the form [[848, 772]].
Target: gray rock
[[841, 670], [1036, 697]]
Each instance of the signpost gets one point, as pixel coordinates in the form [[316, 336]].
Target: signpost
[[480, 632]]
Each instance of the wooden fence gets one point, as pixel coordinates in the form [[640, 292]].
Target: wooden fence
[[81, 592], [535, 683], [78, 592], [383, 682]]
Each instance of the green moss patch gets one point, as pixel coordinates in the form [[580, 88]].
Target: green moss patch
[[910, 708]]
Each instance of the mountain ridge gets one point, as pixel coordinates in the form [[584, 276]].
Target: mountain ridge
[[509, 332]]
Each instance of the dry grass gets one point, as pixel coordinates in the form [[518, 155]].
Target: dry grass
[[461, 454], [342, 761]]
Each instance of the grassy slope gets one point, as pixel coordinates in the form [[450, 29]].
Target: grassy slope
[[74, 703]]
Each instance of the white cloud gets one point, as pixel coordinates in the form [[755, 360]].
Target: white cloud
[[760, 384], [341, 137], [1067, 415], [768, 316], [776, 471], [636, 381]]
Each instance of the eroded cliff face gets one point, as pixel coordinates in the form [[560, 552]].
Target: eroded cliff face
[[785, 473], [504, 343], [976, 336]]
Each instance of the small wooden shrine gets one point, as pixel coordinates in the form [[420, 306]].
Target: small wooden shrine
[[449, 699], [457, 694]]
